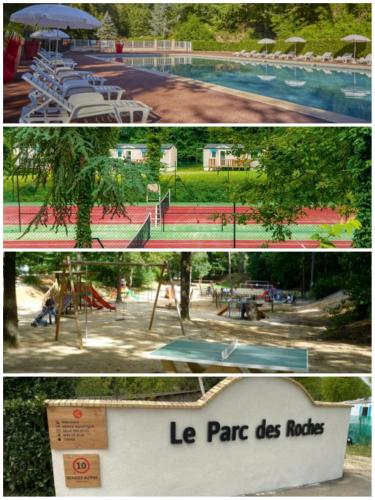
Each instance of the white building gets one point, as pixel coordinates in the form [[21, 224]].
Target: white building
[[220, 156], [138, 153]]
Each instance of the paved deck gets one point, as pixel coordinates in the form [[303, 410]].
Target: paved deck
[[173, 100]]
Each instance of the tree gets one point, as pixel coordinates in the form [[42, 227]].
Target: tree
[[75, 168], [186, 268], [334, 389], [107, 30], [10, 315], [193, 29], [160, 21], [200, 265], [154, 139], [307, 167]]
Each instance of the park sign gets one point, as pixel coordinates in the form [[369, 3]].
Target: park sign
[[246, 435]]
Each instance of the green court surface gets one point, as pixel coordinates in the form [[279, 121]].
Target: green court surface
[[172, 231]]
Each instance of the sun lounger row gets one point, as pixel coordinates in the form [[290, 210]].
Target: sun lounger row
[[308, 56], [62, 94]]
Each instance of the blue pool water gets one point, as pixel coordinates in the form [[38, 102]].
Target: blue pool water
[[340, 90]]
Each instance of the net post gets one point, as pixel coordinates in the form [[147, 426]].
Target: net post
[[234, 224]]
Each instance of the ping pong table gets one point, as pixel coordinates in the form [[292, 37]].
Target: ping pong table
[[202, 356]]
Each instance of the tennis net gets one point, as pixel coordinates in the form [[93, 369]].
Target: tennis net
[[143, 235], [163, 206]]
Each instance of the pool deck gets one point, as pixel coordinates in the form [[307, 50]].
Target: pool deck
[[173, 100]]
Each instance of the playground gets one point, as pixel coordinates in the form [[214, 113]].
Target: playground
[[116, 337], [166, 225]]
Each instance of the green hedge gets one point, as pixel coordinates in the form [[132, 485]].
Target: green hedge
[[207, 187], [336, 46], [27, 456]]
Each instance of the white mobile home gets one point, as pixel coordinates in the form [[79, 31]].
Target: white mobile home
[[138, 153], [221, 157]]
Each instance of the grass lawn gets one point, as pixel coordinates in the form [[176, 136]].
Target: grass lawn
[[190, 184], [363, 450]]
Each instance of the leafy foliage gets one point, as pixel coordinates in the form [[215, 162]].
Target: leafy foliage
[[335, 388], [160, 20], [234, 26], [107, 30], [80, 171]]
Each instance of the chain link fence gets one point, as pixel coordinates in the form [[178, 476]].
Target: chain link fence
[[168, 226]]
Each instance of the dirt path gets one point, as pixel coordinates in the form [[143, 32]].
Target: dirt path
[[114, 346]]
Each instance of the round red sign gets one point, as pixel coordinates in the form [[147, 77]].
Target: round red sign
[[81, 465]]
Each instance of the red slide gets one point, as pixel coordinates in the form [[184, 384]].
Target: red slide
[[91, 303], [98, 298]]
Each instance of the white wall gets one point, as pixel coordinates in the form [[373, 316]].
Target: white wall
[[169, 157], [140, 460]]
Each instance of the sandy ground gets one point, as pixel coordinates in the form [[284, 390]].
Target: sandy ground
[[118, 342], [356, 482]]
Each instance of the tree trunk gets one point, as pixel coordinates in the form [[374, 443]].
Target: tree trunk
[[186, 267], [10, 315], [84, 206]]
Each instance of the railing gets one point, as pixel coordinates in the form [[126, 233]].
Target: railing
[[219, 163], [130, 45]]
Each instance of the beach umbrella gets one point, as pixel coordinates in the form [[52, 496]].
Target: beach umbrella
[[355, 39], [266, 42], [55, 16], [50, 35], [295, 40]]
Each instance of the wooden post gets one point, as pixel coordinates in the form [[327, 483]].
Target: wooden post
[[156, 298], [74, 295], [175, 300], [60, 305]]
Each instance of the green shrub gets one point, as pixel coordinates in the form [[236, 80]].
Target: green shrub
[[334, 45], [38, 387], [193, 28], [327, 285], [27, 455], [31, 280], [207, 187]]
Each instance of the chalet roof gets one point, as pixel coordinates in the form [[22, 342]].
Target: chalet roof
[[141, 146], [222, 146]]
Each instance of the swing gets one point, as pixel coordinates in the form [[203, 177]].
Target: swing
[[120, 311]]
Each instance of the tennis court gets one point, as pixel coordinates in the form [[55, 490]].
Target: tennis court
[[164, 225]]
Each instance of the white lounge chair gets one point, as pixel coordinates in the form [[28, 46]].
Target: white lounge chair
[[64, 74], [48, 106], [308, 56], [327, 56], [70, 87], [240, 53], [261, 54], [274, 55], [288, 55], [57, 61], [366, 60], [252, 53], [345, 58]]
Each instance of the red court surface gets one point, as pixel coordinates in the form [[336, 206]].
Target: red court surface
[[174, 215]]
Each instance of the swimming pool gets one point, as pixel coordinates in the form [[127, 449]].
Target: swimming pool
[[340, 90]]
